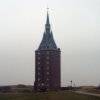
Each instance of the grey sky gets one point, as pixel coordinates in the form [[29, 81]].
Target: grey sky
[[76, 30]]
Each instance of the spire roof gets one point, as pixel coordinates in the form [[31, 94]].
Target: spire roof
[[47, 22], [47, 42]]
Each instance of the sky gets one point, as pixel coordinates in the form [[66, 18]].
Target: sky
[[76, 30]]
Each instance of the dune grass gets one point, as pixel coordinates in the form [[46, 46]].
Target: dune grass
[[47, 96]]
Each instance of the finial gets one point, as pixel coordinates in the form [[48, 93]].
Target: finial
[[47, 9], [47, 16]]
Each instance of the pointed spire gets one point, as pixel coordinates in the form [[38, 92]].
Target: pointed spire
[[47, 22], [48, 42], [47, 25]]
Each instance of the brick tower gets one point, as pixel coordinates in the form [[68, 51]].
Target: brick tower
[[47, 62]]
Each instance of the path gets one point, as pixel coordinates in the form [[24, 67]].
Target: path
[[88, 93]]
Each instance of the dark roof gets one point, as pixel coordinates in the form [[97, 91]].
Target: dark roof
[[47, 40]]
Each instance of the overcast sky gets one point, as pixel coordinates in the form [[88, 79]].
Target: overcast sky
[[76, 30]]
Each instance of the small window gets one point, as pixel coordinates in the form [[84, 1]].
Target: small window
[[42, 84], [38, 58], [47, 84], [38, 63], [47, 68], [38, 79], [38, 53], [38, 68], [47, 57], [47, 62], [47, 79], [38, 73], [47, 73], [38, 84], [47, 52]]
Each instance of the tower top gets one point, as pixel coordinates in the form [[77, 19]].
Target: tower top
[[47, 22], [47, 42]]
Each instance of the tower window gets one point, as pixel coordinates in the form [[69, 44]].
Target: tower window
[[48, 84], [38, 63], [38, 73], [38, 68], [42, 84], [38, 58], [47, 73], [38, 84], [38, 53], [47, 79], [47, 57], [47, 68], [38, 79], [47, 62], [47, 52]]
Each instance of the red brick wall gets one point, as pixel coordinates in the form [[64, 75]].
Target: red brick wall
[[47, 69]]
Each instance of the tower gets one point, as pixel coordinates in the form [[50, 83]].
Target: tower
[[47, 62]]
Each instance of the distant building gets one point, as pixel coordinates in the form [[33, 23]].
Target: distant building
[[47, 62]]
